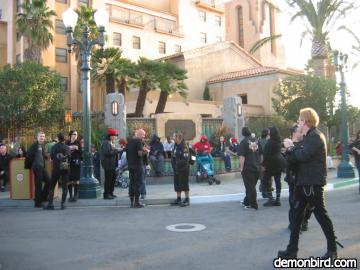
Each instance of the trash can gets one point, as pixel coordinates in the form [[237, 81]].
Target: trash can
[[22, 186]]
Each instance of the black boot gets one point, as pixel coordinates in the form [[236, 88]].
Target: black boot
[[49, 207], [176, 202], [270, 201], [287, 254], [329, 254], [138, 204], [277, 202], [186, 202], [63, 206], [76, 192], [304, 226]]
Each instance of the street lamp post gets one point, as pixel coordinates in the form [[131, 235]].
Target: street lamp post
[[89, 185], [345, 169]]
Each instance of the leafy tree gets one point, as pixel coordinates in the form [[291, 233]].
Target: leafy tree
[[146, 77], [31, 96], [320, 20], [104, 66], [258, 123], [296, 92], [35, 24], [171, 81], [125, 70]]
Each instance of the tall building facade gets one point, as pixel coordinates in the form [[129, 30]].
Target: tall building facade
[[147, 28]]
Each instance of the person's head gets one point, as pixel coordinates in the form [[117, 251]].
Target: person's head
[[140, 134], [203, 139], [264, 133], [168, 139], [179, 137], [122, 142], [222, 138], [93, 148], [61, 138], [296, 135], [73, 135], [308, 118], [3, 149], [112, 134], [245, 132], [234, 140], [274, 133], [20, 151], [155, 139], [40, 137]]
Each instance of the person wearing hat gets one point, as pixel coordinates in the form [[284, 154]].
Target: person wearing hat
[[234, 146], [108, 157], [75, 162], [60, 155]]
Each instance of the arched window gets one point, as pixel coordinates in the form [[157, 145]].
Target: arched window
[[240, 26]]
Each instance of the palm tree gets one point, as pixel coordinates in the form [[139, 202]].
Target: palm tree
[[320, 20], [171, 80], [35, 24], [146, 76], [105, 64], [261, 42], [124, 70]]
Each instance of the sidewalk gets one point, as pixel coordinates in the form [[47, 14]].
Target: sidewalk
[[162, 192]]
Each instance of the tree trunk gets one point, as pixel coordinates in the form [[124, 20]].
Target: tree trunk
[[110, 84], [122, 86], [140, 103], [319, 67], [162, 102]]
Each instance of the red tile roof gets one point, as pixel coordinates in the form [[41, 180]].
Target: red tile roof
[[246, 73]]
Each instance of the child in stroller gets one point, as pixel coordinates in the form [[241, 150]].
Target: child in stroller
[[122, 173]]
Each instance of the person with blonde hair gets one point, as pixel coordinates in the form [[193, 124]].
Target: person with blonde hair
[[311, 173]]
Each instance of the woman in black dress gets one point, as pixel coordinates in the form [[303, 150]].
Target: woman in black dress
[[75, 162], [180, 164]]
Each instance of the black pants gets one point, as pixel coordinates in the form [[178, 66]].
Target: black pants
[[135, 182], [55, 176], [314, 196], [268, 183], [41, 176], [250, 180], [109, 183]]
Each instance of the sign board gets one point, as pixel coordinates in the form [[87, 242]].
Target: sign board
[[186, 127]]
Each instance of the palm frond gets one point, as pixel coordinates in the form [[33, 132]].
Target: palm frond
[[260, 43]]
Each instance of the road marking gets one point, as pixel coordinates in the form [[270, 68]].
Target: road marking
[[186, 227]]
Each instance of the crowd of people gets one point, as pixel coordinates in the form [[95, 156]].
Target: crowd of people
[[302, 158]]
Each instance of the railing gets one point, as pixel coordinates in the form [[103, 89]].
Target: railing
[[127, 16], [167, 26]]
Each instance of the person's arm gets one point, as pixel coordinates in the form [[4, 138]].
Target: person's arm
[[242, 162], [311, 146], [107, 150]]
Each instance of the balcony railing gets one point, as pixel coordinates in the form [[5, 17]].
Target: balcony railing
[[167, 26], [127, 16]]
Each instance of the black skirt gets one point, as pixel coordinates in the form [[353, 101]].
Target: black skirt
[[181, 180]]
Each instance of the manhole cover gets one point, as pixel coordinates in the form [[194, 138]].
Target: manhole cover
[[186, 227]]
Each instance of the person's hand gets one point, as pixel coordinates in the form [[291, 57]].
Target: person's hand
[[288, 143]]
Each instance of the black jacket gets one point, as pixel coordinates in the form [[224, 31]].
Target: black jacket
[[30, 155], [108, 155], [311, 159], [59, 152], [273, 159]]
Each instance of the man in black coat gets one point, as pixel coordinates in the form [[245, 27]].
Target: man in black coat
[[310, 182], [5, 158], [35, 160], [109, 157]]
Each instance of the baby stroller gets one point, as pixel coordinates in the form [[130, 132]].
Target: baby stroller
[[122, 173], [205, 169]]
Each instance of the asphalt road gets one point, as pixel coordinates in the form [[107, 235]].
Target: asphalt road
[[137, 239]]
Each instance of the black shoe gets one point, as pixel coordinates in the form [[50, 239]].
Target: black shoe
[[108, 197], [248, 207], [114, 196], [131, 204], [38, 205], [186, 202], [287, 254], [62, 206], [175, 202], [270, 202], [329, 254], [143, 196], [277, 202], [71, 199], [139, 205], [49, 207], [304, 227], [2, 189]]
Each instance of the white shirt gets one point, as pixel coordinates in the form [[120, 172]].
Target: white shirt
[[168, 146]]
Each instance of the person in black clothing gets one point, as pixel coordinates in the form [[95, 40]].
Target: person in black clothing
[[180, 164], [290, 178], [274, 164], [250, 168], [222, 150], [60, 156], [135, 152], [355, 147], [5, 158], [35, 160], [262, 142], [75, 163], [21, 153], [156, 155], [96, 162], [109, 158], [310, 182]]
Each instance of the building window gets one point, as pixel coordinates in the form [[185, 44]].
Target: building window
[[60, 27], [18, 36], [244, 99], [61, 55], [64, 83], [83, 2], [177, 48], [202, 15], [62, 1], [240, 26], [162, 47], [116, 39], [18, 58], [136, 42], [218, 20], [18, 6], [203, 38]]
